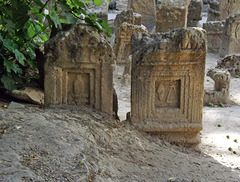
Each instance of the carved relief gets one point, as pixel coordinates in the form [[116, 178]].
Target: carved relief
[[167, 94], [78, 88]]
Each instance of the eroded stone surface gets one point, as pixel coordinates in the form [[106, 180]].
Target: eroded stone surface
[[167, 83], [171, 14], [101, 11], [221, 9], [78, 69], [194, 13], [231, 36], [146, 8], [214, 31], [122, 45], [220, 94], [231, 63]]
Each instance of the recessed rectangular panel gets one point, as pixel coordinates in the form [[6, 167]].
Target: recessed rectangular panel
[[167, 94]]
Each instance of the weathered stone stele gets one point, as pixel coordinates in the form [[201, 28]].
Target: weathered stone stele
[[167, 83], [122, 45], [230, 63], [220, 94], [101, 11], [194, 13], [220, 9], [214, 31], [146, 8], [171, 14], [231, 36], [78, 69]]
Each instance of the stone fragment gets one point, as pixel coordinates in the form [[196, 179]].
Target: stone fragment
[[220, 94], [194, 13], [146, 8], [168, 72], [122, 45], [231, 36], [15, 105], [230, 63], [171, 14], [29, 94], [214, 31], [122, 5], [220, 9], [78, 69]]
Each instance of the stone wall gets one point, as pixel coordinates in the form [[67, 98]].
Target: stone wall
[[171, 14], [214, 31], [230, 63], [220, 9], [167, 83], [78, 69], [231, 36]]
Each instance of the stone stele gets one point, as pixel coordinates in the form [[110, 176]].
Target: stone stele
[[78, 69], [171, 14], [231, 36], [167, 90]]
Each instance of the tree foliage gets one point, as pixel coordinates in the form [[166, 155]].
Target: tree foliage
[[25, 24]]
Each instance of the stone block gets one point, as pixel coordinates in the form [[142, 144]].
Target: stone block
[[171, 14], [230, 63], [168, 72], [231, 36], [220, 9], [78, 69], [214, 31], [124, 16], [146, 8], [220, 94], [122, 45], [194, 13]]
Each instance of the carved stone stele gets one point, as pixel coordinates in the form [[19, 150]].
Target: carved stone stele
[[78, 69], [168, 72], [231, 36], [171, 14]]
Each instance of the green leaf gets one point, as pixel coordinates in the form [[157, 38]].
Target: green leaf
[[106, 27], [70, 18], [12, 66], [56, 20], [97, 2], [19, 56], [79, 3], [8, 82]]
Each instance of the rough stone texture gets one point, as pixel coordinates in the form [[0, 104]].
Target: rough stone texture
[[78, 69], [214, 31], [230, 63], [221, 9], [146, 8], [122, 45], [29, 94], [194, 13], [231, 36], [101, 11], [167, 83], [122, 5], [171, 14], [220, 94], [127, 16]]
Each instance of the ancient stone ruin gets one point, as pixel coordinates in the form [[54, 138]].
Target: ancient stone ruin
[[230, 63], [231, 36], [171, 14], [194, 13], [220, 94], [221, 9], [167, 83], [125, 25], [101, 11], [146, 8], [78, 69], [214, 31]]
